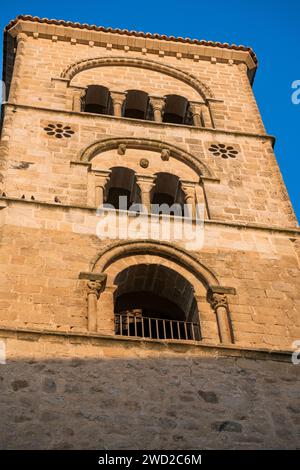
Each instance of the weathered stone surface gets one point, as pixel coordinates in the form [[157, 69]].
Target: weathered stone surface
[[63, 387], [127, 403]]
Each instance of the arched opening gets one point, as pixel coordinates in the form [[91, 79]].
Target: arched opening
[[154, 301], [136, 104], [97, 100], [167, 192], [177, 110], [122, 190]]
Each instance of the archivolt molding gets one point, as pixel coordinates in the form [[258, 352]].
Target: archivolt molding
[[185, 77], [124, 249], [94, 149]]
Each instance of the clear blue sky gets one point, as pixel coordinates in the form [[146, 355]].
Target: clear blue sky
[[271, 27]]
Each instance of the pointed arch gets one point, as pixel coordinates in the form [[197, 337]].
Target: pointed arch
[[94, 149], [81, 65]]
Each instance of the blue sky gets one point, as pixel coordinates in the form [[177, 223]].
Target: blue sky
[[271, 27]]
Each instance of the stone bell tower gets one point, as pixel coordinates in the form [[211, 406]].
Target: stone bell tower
[[109, 340]]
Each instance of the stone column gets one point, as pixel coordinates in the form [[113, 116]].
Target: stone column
[[17, 72], [219, 303], [106, 312], [196, 110], [188, 188], [146, 183], [158, 104], [118, 98], [101, 180], [95, 285], [77, 100]]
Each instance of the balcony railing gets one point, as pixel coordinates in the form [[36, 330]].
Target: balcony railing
[[128, 324]]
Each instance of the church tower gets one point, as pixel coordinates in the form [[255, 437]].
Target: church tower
[[118, 329]]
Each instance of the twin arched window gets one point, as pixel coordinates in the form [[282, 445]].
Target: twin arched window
[[123, 192], [137, 105]]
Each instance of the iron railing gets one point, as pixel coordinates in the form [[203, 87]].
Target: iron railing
[[128, 324]]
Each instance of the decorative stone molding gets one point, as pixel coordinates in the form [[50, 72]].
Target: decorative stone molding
[[163, 249], [95, 285], [185, 77], [89, 152]]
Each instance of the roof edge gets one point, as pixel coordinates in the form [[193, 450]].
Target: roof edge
[[126, 32]]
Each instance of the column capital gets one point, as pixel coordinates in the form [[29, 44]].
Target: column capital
[[157, 102], [196, 108], [188, 187], [148, 179], [95, 282], [102, 173], [118, 96], [217, 300]]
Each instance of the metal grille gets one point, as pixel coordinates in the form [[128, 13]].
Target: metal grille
[[128, 324]]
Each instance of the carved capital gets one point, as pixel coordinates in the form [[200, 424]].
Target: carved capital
[[95, 283], [195, 108], [145, 182], [157, 102], [95, 287], [118, 97], [217, 300], [188, 187]]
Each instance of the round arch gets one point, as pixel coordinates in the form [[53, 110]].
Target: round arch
[[94, 149], [139, 250], [79, 66]]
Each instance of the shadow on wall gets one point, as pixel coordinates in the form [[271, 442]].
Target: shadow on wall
[[154, 403]]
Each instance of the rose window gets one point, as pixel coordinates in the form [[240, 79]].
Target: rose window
[[222, 150], [59, 130]]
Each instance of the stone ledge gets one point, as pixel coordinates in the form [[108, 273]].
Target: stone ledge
[[133, 121], [215, 350], [4, 203]]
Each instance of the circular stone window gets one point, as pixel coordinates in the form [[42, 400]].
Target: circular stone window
[[59, 130], [222, 150]]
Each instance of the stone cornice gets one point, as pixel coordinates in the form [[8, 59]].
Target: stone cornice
[[133, 40], [193, 129], [291, 232], [193, 347]]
